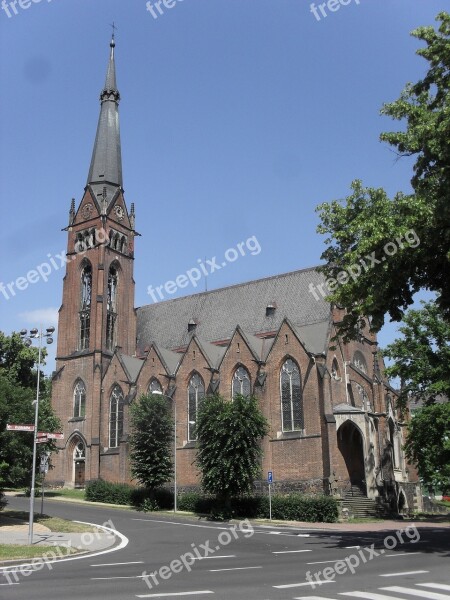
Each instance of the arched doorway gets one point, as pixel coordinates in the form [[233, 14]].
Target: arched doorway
[[351, 447], [79, 463]]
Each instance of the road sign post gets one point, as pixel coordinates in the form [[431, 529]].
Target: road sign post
[[270, 481]]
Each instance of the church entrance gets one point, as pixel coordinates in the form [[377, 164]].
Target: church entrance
[[79, 459], [351, 446]]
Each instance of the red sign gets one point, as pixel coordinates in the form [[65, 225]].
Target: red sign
[[42, 439], [51, 436], [20, 427]]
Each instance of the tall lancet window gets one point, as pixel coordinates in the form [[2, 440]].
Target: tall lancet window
[[241, 382], [291, 397], [85, 307], [116, 404], [111, 309]]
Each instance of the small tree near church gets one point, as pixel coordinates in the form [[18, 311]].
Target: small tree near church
[[229, 435], [151, 441]]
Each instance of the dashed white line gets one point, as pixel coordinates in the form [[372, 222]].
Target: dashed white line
[[401, 554], [233, 569], [136, 562], [290, 551], [168, 595], [209, 557], [293, 585], [403, 573]]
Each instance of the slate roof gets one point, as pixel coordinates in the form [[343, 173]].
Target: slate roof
[[218, 312], [132, 366], [106, 162]]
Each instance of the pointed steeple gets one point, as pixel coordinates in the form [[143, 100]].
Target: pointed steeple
[[106, 163]]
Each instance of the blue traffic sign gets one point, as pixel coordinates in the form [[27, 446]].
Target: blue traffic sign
[[270, 477]]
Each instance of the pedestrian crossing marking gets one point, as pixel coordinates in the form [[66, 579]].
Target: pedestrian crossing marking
[[421, 593]]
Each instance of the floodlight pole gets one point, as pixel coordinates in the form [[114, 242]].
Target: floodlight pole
[[35, 333]]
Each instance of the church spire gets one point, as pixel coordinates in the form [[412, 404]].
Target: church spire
[[106, 163]]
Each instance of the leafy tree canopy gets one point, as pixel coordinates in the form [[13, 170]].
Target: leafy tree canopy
[[151, 440], [229, 435], [381, 250], [428, 445], [422, 355], [18, 380]]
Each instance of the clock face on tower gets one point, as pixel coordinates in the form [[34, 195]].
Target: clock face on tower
[[119, 212], [86, 211]]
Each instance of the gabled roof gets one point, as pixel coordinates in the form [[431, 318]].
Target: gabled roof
[[218, 312], [132, 366]]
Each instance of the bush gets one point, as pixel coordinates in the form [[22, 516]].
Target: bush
[[111, 493], [292, 507], [3, 501]]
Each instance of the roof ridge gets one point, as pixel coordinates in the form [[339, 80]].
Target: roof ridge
[[234, 285]]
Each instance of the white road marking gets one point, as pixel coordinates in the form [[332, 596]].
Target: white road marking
[[122, 577], [436, 586], [137, 562], [123, 543], [402, 554], [208, 557], [12, 583], [293, 585], [403, 573], [290, 551], [357, 547], [184, 524], [233, 569], [421, 593], [168, 595], [369, 596], [324, 562]]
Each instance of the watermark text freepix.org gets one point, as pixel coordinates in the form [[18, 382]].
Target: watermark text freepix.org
[[61, 550], [364, 555], [202, 551], [155, 8], [410, 239], [10, 7], [322, 10], [204, 269], [43, 271]]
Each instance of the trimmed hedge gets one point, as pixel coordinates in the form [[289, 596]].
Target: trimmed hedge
[[292, 507]]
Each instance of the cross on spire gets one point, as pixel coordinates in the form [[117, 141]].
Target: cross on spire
[[113, 25]]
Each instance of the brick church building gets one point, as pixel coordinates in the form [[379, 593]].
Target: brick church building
[[333, 426]]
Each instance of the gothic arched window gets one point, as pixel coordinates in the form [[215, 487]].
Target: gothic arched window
[[291, 397], [154, 386], [79, 399], [360, 362], [241, 382], [111, 309], [116, 403], [85, 306], [196, 391]]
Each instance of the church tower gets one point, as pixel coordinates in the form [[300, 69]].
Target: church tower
[[97, 316]]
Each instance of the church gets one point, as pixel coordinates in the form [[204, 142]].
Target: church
[[333, 424]]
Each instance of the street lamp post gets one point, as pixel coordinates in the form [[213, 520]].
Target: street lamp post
[[174, 447], [35, 333]]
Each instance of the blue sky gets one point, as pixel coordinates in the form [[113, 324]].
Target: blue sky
[[238, 117]]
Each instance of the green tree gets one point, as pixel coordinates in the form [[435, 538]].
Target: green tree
[[422, 355], [384, 250], [18, 380], [229, 435], [428, 445], [151, 441]]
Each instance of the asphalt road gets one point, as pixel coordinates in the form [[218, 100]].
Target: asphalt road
[[174, 557]]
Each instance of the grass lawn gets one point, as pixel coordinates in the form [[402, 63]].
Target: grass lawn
[[53, 523], [12, 552], [65, 493]]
